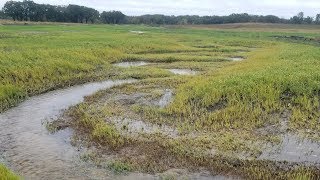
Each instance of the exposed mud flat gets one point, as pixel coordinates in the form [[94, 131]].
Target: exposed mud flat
[[131, 64], [166, 99], [134, 127], [178, 174], [143, 98], [130, 124], [183, 71], [27, 146]]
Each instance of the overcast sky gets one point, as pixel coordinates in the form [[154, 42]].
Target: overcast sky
[[281, 8]]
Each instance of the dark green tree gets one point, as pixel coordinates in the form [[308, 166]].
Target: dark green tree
[[308, 20], [112, 17], [90, 14], [75, 14], [317, 20], [14, 10], [298, 19], [2, 15]]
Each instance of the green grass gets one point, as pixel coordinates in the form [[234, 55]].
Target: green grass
[[6, 174], [38, 58], [119, 167], [283, 77]]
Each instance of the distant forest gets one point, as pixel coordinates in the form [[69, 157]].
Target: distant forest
[[31, 11]]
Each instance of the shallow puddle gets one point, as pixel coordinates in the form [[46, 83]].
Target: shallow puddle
[[236, 58], [294, 149], [131, 64], [166, 98], [183, 71], [30, 150], [137, 32]]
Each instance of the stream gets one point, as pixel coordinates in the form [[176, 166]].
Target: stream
[[30, 150]]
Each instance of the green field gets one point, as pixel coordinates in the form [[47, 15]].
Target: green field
[[221, 117]]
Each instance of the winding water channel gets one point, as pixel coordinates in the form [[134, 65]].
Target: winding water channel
[[29, 149]]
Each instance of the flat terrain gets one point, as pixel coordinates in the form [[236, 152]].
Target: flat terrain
[[241, 101], [262, 27]]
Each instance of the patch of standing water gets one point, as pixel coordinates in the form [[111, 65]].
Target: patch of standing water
[[131, 64], [137, 32], [30, 150], [166, 98], [236, 58], [183, 71], [294, 149]]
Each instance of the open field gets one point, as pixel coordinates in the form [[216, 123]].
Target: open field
[[242, 103]]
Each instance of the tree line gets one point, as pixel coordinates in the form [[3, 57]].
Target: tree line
[[28, 10]]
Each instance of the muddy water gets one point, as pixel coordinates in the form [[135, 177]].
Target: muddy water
[[26, 145], [131, 64], [183, 71], [294, 149]]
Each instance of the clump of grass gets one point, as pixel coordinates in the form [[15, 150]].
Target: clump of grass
[[6, 174], [119, 167], [108, 135], [96, 128]]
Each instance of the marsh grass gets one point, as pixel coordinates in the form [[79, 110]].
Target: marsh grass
[[38, 58], [6, 174], [217, 112], [119, 167]]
